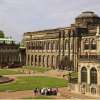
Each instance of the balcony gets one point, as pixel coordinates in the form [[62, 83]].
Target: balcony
[[89, 58]]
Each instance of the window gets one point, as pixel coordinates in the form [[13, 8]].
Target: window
[[86, 45], [84, 75], [93, 44], [93, 76]]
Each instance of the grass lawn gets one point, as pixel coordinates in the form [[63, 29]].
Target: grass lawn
[[31, 82], [9, 71], [37, 69]]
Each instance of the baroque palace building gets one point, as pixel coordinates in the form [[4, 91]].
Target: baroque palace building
[[51, 48], [72, 48], [9, 52], [89, 57]]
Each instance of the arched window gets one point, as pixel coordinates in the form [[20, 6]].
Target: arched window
[[93, 76], [93, 44], [84, 75]]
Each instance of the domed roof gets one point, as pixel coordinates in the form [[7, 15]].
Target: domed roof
[[87, 14]]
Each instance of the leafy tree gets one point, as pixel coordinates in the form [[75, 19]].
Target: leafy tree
[[2, 34]]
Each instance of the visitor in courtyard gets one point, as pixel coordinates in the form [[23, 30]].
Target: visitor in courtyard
[[36, 91]]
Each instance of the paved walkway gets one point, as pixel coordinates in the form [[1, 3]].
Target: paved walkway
[[23, 94], [63, 94], [69, 95]]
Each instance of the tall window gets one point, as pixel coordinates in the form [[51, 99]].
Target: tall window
[[66, 44], [86, 44], [84, 75], [93, 44], [93, 76]]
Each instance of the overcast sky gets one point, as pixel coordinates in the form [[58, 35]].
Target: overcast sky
[[19, 16]]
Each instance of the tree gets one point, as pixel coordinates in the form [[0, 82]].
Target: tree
[[66, 63], [2, 34]]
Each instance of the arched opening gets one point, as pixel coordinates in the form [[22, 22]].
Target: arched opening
[[27, 58], [57, 61], [52, 61], [43, 61], [93, 76], [39, 60], [48, 61], [84, 75], [35, 60], [32, 60]]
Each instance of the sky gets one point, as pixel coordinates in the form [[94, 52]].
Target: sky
[[19, 16]]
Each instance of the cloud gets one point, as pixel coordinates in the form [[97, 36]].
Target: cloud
[[19, 16]]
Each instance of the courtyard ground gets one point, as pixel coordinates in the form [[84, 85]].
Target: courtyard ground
[[28, 94]]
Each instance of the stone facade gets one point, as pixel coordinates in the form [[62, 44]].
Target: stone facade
[[9, 52], [89, 57], [76, 47], [51, 48]]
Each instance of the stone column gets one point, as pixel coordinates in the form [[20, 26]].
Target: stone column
[[33, 62], [37, 63], [98, 90], [88, 75], [98, 76], [79, 75], [30, 61], [88, 80], [26, 60]]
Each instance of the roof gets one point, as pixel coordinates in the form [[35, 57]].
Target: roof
[[87, 14]]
